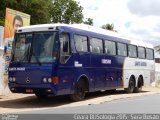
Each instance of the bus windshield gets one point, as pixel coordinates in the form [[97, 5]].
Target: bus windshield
[[35, 47]]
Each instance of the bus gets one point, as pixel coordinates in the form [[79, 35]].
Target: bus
[[61, 59]]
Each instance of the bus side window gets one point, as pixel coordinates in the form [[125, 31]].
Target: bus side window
[[64, 47]]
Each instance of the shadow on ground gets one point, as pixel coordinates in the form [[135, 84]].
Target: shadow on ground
[[52, 101]]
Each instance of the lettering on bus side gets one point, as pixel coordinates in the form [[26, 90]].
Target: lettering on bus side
[[140, 64], [106, 61], [17, 69]]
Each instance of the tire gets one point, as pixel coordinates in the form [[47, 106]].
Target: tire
[[41, 95], [131, 86], [138, 89], [79, 91]]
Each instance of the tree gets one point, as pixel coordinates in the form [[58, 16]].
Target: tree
[[42, 11], [3, 5], [38, 9], [66, 11], [89, 21], [109, 27]]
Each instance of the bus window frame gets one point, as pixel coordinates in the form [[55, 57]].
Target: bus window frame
[[115, 43], [126, 49], [144, 51], [136, 50], [88, 50], [69, 37], [90, 45]]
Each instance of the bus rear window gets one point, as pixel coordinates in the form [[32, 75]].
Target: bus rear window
[[132, 51], [141, 52], [149, 54]]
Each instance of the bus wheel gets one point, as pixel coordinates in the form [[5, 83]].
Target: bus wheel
[[131, 86], [79, 91], [41, 95], [139, 86]]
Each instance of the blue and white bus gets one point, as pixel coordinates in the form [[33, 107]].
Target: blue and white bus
[[59, 59]]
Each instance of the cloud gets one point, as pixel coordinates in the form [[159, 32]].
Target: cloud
[[144, 7], [134, 19]]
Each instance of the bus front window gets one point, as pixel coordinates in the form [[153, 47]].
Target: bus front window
[[22, 47], [42, 47], [35, 47]]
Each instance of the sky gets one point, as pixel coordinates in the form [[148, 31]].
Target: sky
[[134, 19]]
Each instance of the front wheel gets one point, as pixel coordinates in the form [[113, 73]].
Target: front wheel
[[79, 92]]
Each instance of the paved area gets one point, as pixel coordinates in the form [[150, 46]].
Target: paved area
[[10, 103]]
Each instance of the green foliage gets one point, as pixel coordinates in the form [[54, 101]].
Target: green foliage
[[89, 21], [66, 11], [42, 11], [109, 27]]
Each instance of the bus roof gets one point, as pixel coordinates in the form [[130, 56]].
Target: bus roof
[[51, 27]]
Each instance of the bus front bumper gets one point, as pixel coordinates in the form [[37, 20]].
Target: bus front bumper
[[32, 88]]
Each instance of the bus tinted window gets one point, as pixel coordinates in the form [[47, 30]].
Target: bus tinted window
[[122, 49], [81, 43], [141, 52], [96, 45], [149, 54], [132, 51], [110, 47]]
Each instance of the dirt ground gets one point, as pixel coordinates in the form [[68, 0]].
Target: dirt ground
[[11, 103]]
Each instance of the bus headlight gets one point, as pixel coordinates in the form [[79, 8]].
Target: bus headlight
[[44, 80], [49, 80], [13, 79], [10, 79]]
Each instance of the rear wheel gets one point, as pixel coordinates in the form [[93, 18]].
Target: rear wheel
[[131, 86], [79, 91], [139, 86]]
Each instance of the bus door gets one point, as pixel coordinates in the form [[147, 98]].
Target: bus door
[[65, 67]]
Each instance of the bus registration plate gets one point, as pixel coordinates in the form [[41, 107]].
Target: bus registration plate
[[29, 90]]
